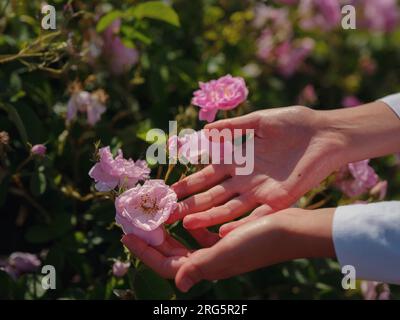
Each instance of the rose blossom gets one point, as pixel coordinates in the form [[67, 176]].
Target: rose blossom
[[351, 101], [119, 268], [39, 149], [382, 15], [322, 14], [192, 147], [19, 263], [224, 93], [356, 178], [119, 57], [307, 96], [142, 209], [91, 103], [110, 172], [291, 54]]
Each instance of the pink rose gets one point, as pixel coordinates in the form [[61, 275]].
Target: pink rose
[[110, 172], [307, 95], [291, 54], [192, 147], [356, 178], [321, 14], [142, 209], [382, 15], [119, 57], [19, 263], [91, 103], [224, 93], [351, 101], [119, 268], [39, 150]]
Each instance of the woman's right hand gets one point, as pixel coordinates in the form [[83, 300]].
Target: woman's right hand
[[294, 151]]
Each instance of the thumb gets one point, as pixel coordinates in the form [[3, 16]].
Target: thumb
[[204, 264], [188, 275]]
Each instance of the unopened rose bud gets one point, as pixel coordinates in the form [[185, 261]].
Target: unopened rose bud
[[4, 138], [39, 149], [120, 268]]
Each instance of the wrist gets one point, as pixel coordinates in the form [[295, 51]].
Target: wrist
[[306, 233], [359, 133]]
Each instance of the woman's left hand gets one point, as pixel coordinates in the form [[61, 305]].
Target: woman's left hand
[[291, 234]]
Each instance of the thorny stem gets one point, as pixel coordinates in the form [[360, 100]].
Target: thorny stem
[[24, 54], [70, 192]]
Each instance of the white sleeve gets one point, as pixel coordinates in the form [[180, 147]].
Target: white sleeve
[[393, 101], [367, 236]]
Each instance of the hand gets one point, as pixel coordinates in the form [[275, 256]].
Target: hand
[[296, 233], [294, 151]]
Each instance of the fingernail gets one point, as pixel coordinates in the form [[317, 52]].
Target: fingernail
[[186, 284]]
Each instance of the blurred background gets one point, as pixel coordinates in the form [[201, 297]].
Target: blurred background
[[112, 70]]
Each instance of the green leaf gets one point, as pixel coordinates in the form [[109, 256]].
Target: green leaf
[[32, 124], [155, 10], [16, 119], [149, 285], [38, 183], [131, 33], [107, 19]]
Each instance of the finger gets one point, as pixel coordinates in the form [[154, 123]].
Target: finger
[[248, 121], [208, 264], [166, 267], [171, 247], [204, 237], [227, 212], [258, 212], [183, 251], [204, 201], [202, 180]]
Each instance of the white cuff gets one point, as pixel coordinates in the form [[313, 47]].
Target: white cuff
[[367, 236], [393, 101]]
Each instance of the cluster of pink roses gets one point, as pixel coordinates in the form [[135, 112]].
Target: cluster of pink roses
[[141, 209], [357, 178], [111, 172], [276, 45], [144, 204]]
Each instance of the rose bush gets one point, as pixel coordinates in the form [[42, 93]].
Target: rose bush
[[73, 98]]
